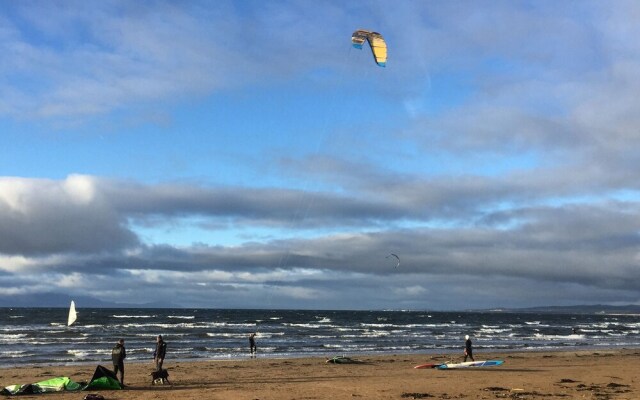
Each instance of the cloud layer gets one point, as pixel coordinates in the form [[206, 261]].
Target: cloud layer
[[82, 230], [496, 154]]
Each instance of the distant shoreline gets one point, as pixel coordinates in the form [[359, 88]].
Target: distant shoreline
[[479, 351], [596, 309]]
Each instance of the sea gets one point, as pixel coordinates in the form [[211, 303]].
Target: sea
[[39, 336]]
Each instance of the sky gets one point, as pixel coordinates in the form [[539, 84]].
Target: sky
[[242, 154]]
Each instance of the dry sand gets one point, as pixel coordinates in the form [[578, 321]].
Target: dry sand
[[529, 375]]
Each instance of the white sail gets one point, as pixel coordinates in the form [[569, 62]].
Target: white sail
[[72, 314]]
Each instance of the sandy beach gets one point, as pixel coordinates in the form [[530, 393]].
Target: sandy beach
[[592, 374]]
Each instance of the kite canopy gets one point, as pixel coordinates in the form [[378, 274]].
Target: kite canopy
[[50, 385], [102, 379], [376, 42], [396, 257]]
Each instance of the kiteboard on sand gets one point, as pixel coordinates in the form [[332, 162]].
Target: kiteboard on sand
[[344, 360], [421, 366], [471, 364], [73, 315]]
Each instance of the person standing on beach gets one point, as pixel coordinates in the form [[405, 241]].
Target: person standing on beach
[[159, 353], [252, 344], [118, 354], [468, 349]]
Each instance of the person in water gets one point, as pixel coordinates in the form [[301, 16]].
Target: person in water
[[159, 353], [118, 354], [468, 349], [252, 344]]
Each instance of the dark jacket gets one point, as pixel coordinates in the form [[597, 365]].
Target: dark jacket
[[118, 354], [467, 346], [161, 350]]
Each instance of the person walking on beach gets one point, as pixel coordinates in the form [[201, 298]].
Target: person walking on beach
[[468, 349], [159, 353], [118, 354], [252, 344]]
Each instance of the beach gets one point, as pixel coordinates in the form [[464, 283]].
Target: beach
[[580, 374]]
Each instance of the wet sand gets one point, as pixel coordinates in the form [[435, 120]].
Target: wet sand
[[593, 374]]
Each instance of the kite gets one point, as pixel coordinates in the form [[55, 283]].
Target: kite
[[396, 256], [376, 42], [102, 378]]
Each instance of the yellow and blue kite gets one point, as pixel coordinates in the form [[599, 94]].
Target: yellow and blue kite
[[376, 42]]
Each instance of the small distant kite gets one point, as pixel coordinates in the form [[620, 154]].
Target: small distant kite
[[376, 42], [396, 256]]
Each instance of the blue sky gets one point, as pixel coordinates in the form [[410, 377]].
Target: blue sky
[[243, 154]]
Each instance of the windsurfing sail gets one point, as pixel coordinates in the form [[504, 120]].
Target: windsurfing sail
[[73, 315], [396, 257], [376, 42]]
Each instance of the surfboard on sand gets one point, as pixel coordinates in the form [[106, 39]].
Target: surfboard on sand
[[73, 315], [421, 366], [344, 360], [471, 364]]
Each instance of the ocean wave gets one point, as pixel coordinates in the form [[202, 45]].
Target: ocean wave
[[227, 335], [15, 354], [221, 334], [305, 325], [494, 330], [87, 353], [370, 325], [12, 336], [540, 336]]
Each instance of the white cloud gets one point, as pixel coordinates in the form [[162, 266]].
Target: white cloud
[[301, 293], [39, 216], [72, 281], [411, 291]]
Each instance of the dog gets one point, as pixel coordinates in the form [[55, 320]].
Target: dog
[[160, 377]]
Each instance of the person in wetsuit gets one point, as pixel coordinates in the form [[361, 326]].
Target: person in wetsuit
[[159, 353], [252, 344], [468, 349], [118, 354]]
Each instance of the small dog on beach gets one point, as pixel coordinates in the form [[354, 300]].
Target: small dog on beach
[[160, 377]]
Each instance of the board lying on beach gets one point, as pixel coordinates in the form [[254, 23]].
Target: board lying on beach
[[421, 366], [344, 360], [471, 364]]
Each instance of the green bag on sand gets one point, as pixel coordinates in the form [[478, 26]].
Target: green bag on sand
[[103, 378], [103, 383]]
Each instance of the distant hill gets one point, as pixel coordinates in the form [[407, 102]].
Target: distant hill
[[580, 309], [63, 300]]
